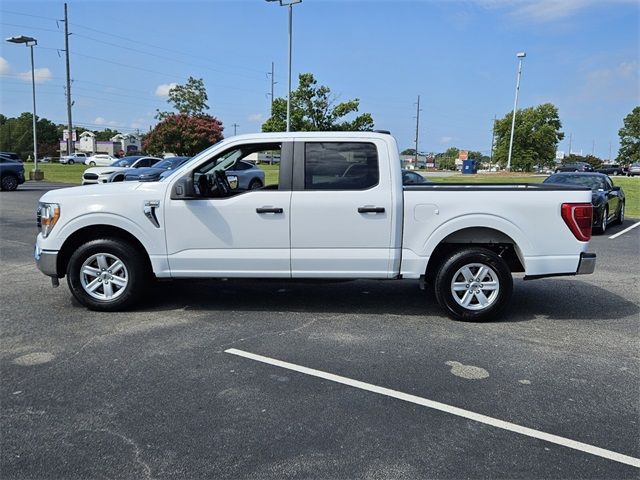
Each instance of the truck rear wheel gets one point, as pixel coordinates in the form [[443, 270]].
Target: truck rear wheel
[[473, 285], [107, 275]]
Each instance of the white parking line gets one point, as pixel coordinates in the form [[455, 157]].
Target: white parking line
[[443, 407], [624, 231]]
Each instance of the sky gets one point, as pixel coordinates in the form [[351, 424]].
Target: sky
[[458, 55]]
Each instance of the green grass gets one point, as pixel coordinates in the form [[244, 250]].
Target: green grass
[[55, 172], [59, 173]]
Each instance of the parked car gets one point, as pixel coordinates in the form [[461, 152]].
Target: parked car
[[100, 159], [338, 210], [575, 167], [413, 178], [103, 174], [11, 156], [11, 173], [634, 169], [249, 176], [608, 200], [148, 174], [612, 169], [78, 157]]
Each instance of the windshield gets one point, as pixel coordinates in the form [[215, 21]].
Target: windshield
[[169, 163], [594, 182], [125, 162]]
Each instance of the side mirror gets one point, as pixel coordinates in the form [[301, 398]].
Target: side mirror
[[233, 181], [183, 188]]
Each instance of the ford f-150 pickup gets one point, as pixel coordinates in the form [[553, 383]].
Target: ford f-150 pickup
[[338, 210]]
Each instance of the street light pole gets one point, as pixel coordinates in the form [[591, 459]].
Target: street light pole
[[520, 56], [31, 42], [289, 4]]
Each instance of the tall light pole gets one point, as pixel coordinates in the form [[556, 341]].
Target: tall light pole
[[520, 56], [31, 42], [289, 4]]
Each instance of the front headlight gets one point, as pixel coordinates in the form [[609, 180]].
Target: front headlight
[[47, 216]]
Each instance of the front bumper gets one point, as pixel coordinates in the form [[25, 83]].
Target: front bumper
[[47, 261]]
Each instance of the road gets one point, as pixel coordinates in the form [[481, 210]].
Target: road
[[167, 391]]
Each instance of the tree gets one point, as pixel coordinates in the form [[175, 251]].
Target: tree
[[630, 138], [189, 99], [314, 109], [16, 135], [536, 136], [408, 151], [447, 160], [105, 135], [183, 134], [592, 160]]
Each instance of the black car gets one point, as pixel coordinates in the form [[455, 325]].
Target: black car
[[575, 167], [11, 173], [607, 199], [11, 156], [412, 178], [148, 174], [611, 169]]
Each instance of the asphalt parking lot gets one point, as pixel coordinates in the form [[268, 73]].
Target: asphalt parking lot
[[190, 384]]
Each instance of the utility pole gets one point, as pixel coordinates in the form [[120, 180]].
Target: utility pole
[[570, 138], [70, 143], [235, 128], [493, 140], [273, 82], [417, 129]]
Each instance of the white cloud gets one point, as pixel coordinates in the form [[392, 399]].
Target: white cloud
[[256, 117], [100, 121], [545, 10], [446, 139], [4, 66], [163, 90], [41, 75]]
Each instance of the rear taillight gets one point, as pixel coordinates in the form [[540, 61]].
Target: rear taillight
[[579, 218]]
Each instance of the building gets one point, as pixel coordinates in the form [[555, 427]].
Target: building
[[122, 143]]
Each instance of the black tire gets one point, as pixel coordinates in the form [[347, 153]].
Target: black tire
[[92, 164], [602, 226], [135, 274], [620, 217], [9, 182], [255, 183], [497, 274], [71, 162]]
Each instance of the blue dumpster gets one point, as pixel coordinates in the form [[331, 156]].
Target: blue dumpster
[[469, 166]]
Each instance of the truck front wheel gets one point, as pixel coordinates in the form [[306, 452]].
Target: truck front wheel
[[473, 285], [107, 275]]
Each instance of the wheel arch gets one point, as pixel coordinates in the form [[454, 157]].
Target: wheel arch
[[503, 245], [93, 232]]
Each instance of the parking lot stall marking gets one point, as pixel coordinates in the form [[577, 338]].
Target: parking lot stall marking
[[443, 407], [624, 231]]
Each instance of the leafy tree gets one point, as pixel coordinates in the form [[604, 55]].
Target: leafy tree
[[16, 135], [536, 136], [408, 151], [447, 160], [183, 134], [314, 109], [189, 99], [104, 135], [592, 160], [630, 138]]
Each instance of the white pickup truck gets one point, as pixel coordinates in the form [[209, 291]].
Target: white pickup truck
[[338, 210]]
